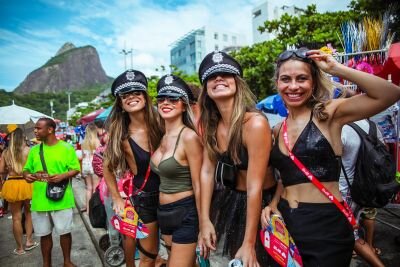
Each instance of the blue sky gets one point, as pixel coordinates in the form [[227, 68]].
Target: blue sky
[[32, 31]]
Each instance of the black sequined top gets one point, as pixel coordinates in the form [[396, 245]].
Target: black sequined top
[[314, 151]]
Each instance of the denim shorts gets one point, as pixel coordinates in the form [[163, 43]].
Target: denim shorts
[[180, 220], [44, 222]]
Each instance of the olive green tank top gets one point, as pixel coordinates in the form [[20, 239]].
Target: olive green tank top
[[174, 177]]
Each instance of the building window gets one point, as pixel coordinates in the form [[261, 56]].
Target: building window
[[192, 57], [216, 36], [234, 40], [192, 45], [257, 13], [225, 37], [216, 47], [198, 54], [198, 43]]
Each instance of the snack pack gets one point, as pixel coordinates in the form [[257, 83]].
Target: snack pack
[[279, 244]]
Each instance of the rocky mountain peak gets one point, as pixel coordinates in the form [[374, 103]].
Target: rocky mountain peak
[[67, 46]]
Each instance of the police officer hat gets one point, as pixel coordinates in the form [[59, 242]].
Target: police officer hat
[[173, 86], [130, 80], [218, 62]]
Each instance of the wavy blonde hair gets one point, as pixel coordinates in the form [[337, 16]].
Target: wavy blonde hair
[[13, 155], [117, 126], [322, 88], [244, 102], [91, 141]]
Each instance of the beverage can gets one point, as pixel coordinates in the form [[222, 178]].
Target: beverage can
[[201, 260], [235, 263]]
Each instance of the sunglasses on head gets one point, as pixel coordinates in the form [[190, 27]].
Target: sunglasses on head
[[132, 93], [299, 53], [170, 99]]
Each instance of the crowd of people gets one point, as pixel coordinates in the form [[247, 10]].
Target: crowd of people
[[207, 168]]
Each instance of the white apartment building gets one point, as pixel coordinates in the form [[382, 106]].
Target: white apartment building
[[267, 10], [188, 51]]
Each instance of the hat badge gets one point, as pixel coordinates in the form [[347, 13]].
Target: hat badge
[[217, 57], [130, 75], [169, 79]]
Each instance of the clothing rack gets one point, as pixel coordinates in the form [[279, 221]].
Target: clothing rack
[[343, 57]]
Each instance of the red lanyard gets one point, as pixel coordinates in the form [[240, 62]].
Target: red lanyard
[[143, 185], [345, 209]]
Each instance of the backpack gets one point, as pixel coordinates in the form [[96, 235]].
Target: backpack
[[374, 166]]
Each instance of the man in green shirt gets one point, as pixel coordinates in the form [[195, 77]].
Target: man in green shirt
[[62, 163]]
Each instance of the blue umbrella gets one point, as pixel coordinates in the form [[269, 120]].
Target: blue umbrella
[[104, 115], [273, 104]]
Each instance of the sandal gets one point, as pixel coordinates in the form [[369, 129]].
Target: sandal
[[34, 245], [15, 252]]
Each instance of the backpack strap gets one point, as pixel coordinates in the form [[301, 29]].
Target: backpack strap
[[372, 135], [345, 174]]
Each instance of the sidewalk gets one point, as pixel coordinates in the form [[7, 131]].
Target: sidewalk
[[83, 252]]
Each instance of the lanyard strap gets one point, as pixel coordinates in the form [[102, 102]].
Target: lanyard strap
[[146, 178], [345, 209]]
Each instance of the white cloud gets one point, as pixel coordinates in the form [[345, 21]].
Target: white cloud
[[145, 27]]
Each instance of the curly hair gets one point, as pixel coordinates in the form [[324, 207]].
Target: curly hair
[[322, 87], [210, 116]]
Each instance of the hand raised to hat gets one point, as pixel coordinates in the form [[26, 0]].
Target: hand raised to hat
[[325, 62]]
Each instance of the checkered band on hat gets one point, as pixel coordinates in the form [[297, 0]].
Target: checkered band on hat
[[137, 85], [174, 89], [220, 68]]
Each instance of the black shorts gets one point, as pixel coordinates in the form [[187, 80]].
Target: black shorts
[[180, 220], [146, 204], [321, 232]]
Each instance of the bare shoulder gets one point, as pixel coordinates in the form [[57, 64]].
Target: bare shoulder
[[188, 136], [255, 121]]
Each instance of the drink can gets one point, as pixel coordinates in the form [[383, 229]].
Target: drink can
[[201, 260], [235, 263]]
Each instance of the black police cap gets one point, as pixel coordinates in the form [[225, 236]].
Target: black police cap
[[173, 86], [218, 62], [130, 80]]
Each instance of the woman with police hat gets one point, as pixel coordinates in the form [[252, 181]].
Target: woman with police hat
[[134, 133], [178, 162], [237, 142]]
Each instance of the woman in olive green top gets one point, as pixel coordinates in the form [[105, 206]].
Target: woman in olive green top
[[178, 161]]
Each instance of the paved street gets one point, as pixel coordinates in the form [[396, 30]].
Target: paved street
[[85, 252]]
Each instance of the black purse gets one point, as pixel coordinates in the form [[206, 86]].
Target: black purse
[[226, 173], [54, 191], [97, 211]]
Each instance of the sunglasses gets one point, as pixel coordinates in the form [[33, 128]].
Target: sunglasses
[[132, 93], [171, 99], [299, 53]]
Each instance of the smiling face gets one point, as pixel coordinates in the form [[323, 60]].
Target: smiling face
[[295, 83], [170, 107], [133, 101], [221, 85]]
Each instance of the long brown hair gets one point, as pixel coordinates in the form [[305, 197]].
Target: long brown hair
[[13, 155], [117, 125], [322, 88], [210, 116]]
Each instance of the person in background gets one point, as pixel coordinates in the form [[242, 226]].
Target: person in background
[[322, 230], [89, 145], [178, 161], [351, 145], [16, 190], [134, 133], [48, 215], [196, 90], [237, 142]]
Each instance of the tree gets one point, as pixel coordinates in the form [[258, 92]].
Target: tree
[[311, 29]]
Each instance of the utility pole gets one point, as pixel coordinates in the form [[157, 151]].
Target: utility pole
[[69, 103], [51, 108], [125, 53]]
